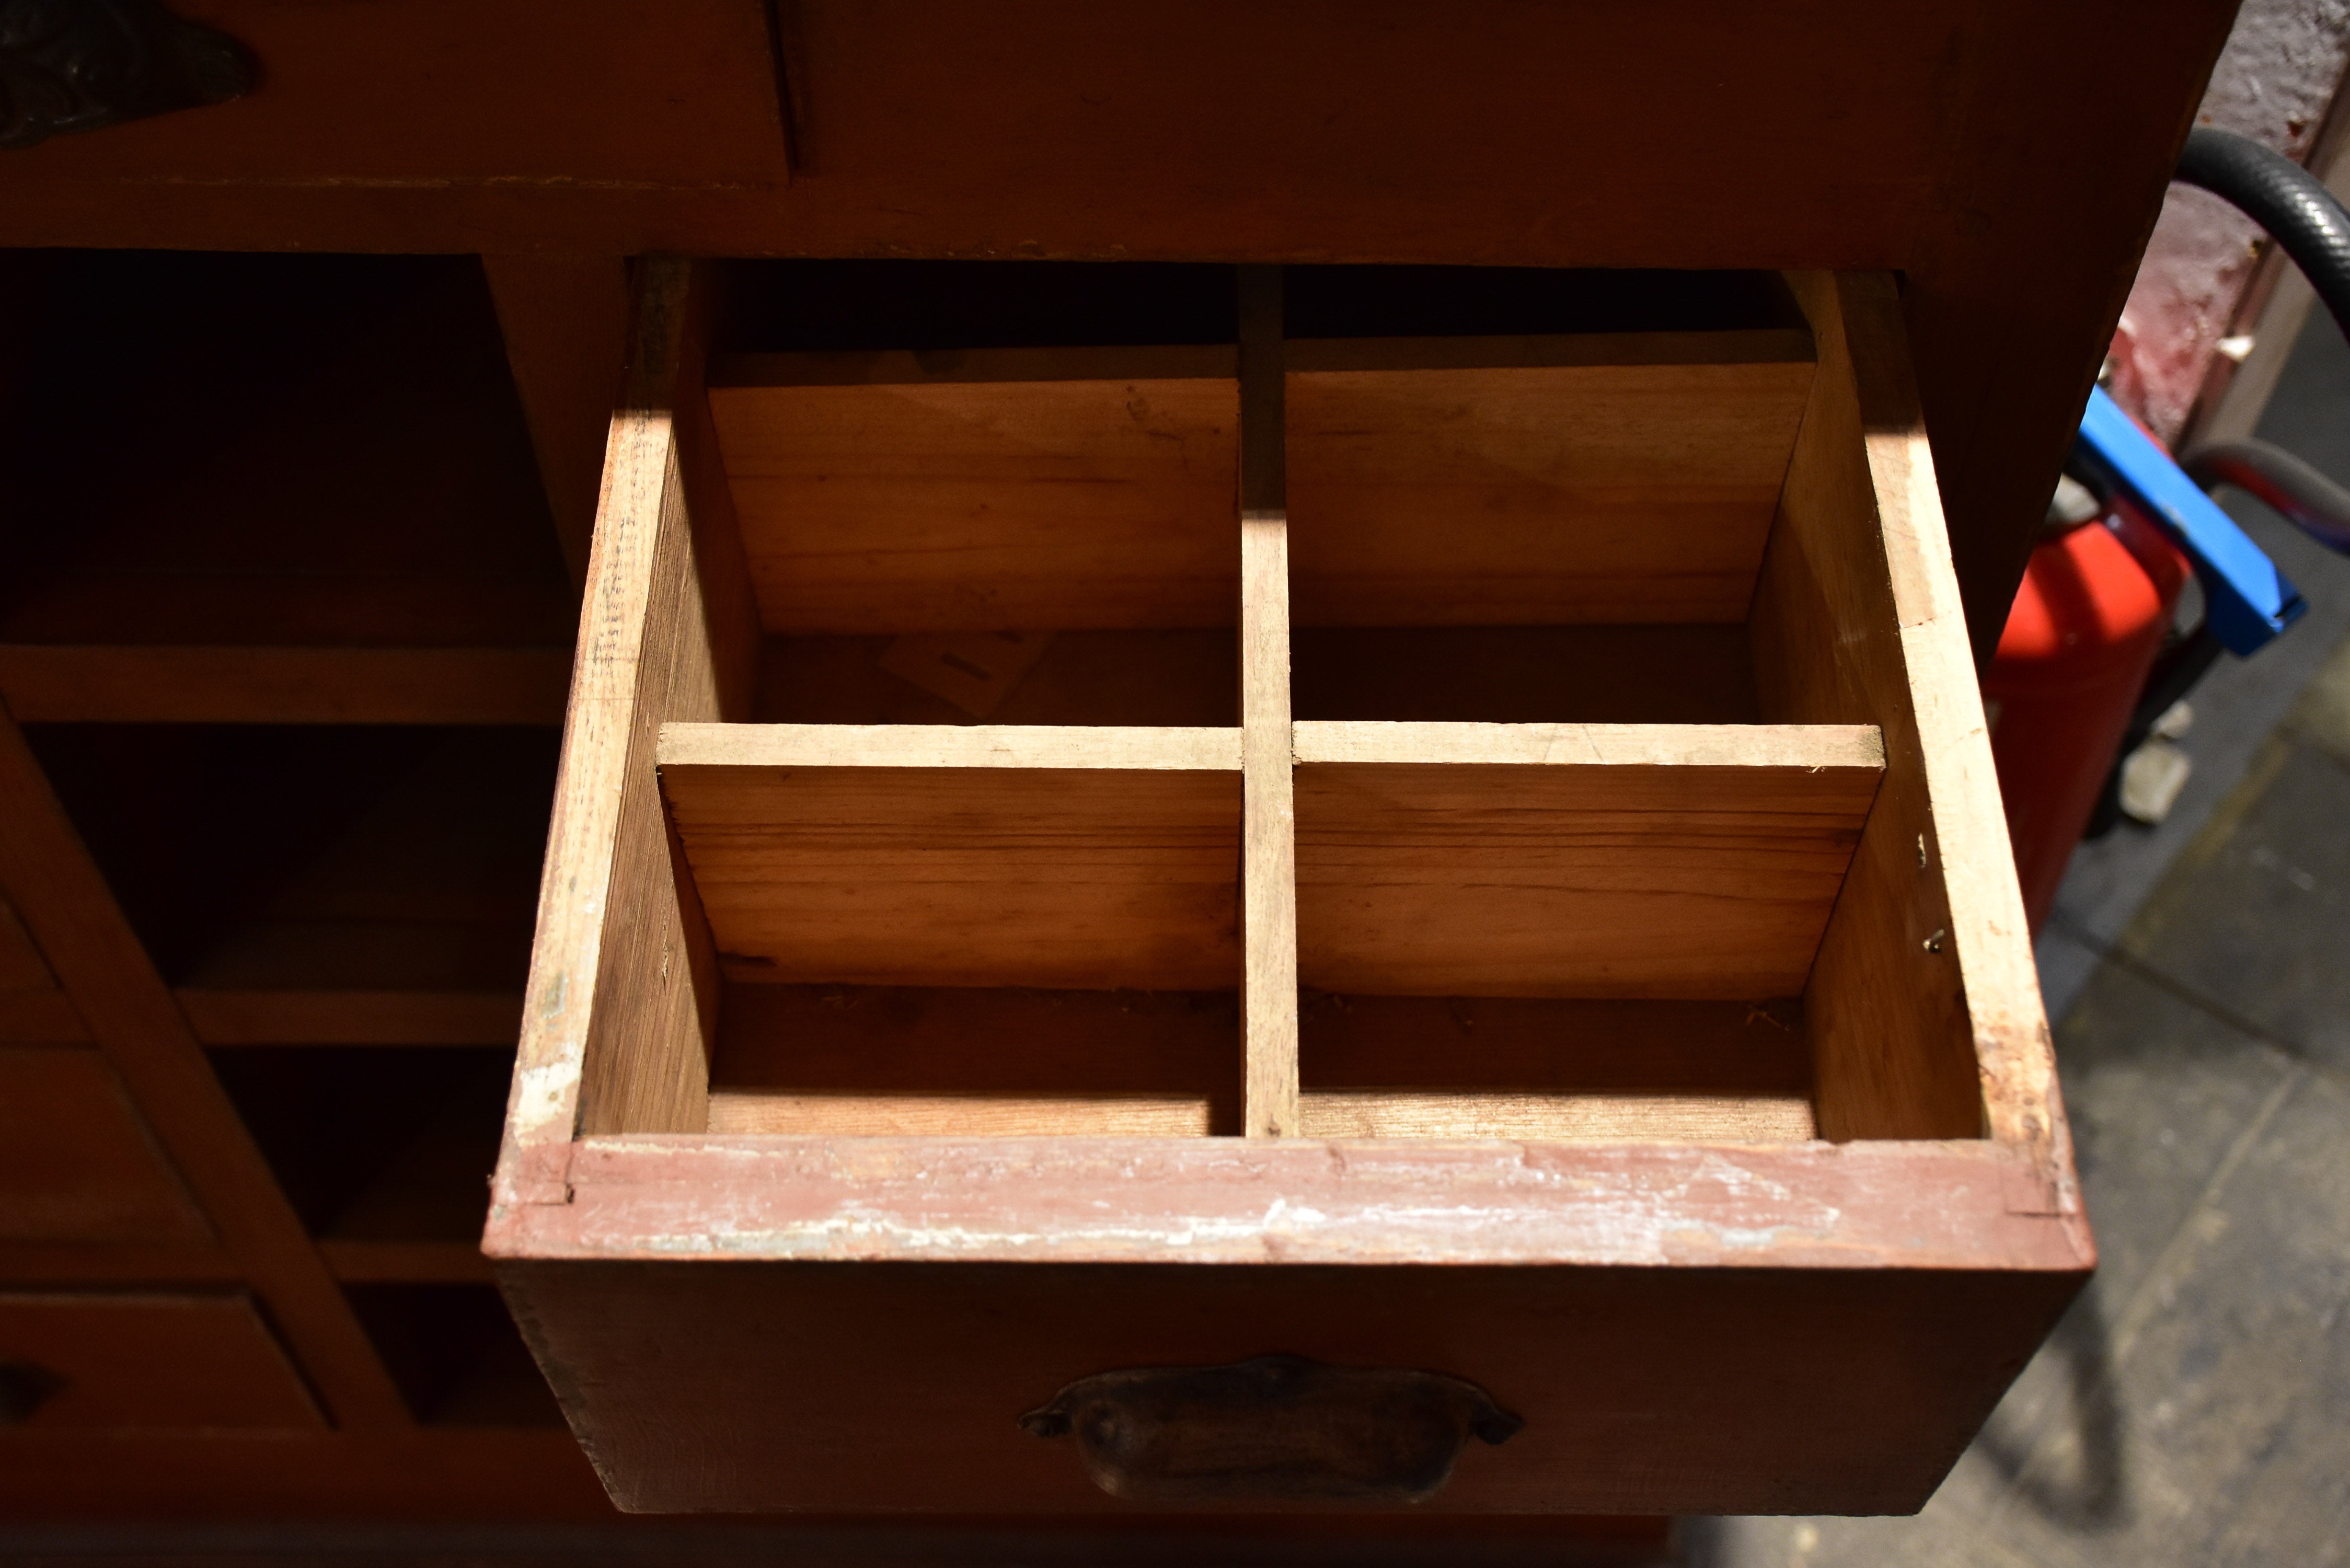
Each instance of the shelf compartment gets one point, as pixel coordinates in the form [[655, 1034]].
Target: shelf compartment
[[1662, 861], [375, 1146], [455, 1355], [1537, 481], [999, 489], [1545, 1069], [291, 864], [1067, 858], [266, 489], [1563, 528], [995, 1062]]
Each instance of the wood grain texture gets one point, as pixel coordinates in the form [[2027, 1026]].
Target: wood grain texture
[[564, 319], [351, 1017], [450, 101], [48, 876], [171, 1479], [1647, 1389], [81, 1265], [943, 504], [1738, 1048], [40, 1018], [850, 1113], [1662, 861], [1599, 674], [21, 965], [1750, 348], [154, 1361], [1184, 679], [1269, 838], [962, 856], [619, 1011], [1554, 1069], [166, 685], [1925, 1003], [974, 367], [1536, 492], [1532, 1115], [896, 1060], [75, 1162], [1895, 1205]]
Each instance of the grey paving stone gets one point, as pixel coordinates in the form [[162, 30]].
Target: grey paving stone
[[2232, 1364], [2158, 1092], [2165, 1102], [2255, 916], [2322, 715]]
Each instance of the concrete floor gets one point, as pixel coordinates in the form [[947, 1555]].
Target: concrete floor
[[2194, 1406]]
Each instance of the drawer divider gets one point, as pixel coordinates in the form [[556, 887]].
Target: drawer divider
[[1269, 831]]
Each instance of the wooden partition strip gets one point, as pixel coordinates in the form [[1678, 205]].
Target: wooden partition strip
[[953, 855], [566, 323], [1269, 833], [622, 996], [64, 901], [1923, 1005], [1674, 862]]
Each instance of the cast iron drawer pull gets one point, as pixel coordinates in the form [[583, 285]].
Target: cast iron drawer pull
[[1276, 1428]]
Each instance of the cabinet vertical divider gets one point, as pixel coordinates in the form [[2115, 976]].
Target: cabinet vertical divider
[[1269, 830]]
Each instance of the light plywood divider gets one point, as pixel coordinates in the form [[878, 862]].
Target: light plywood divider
[[1269, 853], [1924, 1003], [622, 999], [952, 856], [985, 490], [1533, 481], [1691, 862]]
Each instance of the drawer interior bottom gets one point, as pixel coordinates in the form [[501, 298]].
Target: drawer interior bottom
[[933, 1061]]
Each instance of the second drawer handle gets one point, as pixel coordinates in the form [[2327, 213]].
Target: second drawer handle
[[1275, 1429]]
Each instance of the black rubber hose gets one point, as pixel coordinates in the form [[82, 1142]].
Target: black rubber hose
[[2320, 507], [2282, 197]]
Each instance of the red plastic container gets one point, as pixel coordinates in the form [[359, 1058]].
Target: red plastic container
[[2095, 604]]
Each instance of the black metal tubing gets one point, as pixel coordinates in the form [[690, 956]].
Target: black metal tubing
[[2282, 198], [2306, 497]]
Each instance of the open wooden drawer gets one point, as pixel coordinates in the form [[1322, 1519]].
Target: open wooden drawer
[[1413, 852]]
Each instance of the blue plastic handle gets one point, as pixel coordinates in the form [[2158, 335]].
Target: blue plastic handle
[[2247, 599]]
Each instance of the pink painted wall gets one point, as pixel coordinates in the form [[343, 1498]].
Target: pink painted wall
[[2273, 83]]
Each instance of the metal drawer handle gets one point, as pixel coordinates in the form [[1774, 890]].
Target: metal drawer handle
[[1276, 1428]]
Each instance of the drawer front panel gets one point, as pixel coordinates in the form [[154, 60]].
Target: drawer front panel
[[146, 1362], [76, 1165], [890, 1386]]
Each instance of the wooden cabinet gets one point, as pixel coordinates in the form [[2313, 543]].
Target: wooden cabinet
[[140, 1361], [1320, 834], [75, 1162], [1101, 831]]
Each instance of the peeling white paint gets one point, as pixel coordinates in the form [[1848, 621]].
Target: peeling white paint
[[2273, 83]]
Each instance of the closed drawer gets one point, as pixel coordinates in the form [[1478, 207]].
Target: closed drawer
[[1387, 898], [77, 1164], [145, 1362]]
